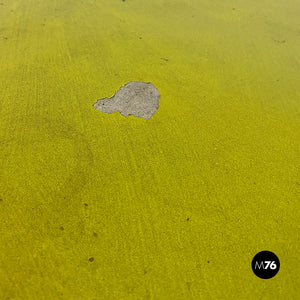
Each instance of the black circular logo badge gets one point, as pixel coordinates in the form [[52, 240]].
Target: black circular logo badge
[[265, 264]]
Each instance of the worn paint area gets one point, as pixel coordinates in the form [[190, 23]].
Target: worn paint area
[[101, 206], [139, 99]]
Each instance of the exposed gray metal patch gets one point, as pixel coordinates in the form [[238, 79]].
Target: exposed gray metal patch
[[136, 98]]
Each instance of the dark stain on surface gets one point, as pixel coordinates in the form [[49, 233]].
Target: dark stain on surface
[[61, 228], [165, 59], [208, 261], [95, 234], [91, 259], [188, 284], [188, 219], [85, 204], [280, 41], [76, 175]]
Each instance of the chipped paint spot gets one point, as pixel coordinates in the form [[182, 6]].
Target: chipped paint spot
[[139, 99]]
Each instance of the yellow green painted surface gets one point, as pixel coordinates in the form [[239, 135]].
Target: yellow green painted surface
[[99, 206]]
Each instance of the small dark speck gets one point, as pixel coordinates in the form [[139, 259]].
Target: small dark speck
[[140, 37], [145, 272], [61, 228], [1, 199], [208, 261], [95, 234], [165, 59], [188, 219], [91, 259], [5, 38], [254, 183], [233, 8], [85, 204], [1, 3]]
